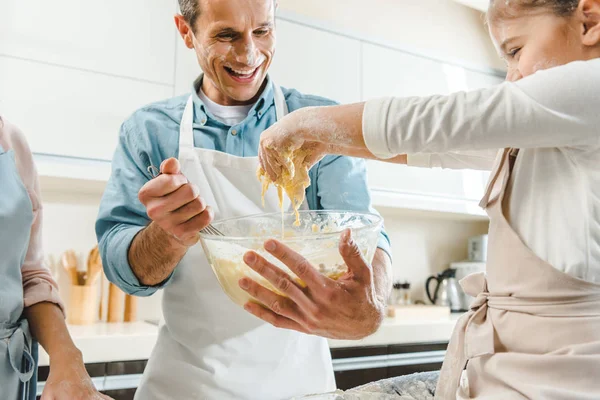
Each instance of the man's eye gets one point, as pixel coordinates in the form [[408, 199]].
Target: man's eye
[[225, 36], [261, 32]]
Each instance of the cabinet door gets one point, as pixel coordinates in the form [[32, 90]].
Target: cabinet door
[[345, 380], [70, 112], [479, 80], [133, 38], [317, 62], [435, 182], [389, 72], [187, 68]]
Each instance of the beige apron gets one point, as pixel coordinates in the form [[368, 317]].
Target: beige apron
[[533, 332]]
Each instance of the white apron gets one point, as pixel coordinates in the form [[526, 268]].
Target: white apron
[[209, 347]]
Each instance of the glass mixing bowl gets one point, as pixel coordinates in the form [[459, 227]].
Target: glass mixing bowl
[[316, 238]]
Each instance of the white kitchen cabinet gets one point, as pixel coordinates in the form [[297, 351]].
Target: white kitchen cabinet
[[133, 38], [389, 72], [317, 62], [479, 80], [187, 68], [69, 112]]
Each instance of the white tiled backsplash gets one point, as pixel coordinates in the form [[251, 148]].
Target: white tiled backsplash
[[422, 244]]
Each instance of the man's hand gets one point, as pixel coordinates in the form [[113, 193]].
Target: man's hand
[[346, 308], [175, 205], [178, 214]]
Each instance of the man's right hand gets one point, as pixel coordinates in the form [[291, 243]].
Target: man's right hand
[[175, 205]]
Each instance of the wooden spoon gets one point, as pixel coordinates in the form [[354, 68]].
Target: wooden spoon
[[69, 262], [94, 267]]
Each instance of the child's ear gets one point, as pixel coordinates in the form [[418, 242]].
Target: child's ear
[[590, 14]]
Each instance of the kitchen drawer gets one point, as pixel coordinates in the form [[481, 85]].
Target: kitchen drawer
[[355, 366], [94, 370], [345, 380], [124, 394]]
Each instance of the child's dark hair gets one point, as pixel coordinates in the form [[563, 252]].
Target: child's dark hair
[[563, 8]]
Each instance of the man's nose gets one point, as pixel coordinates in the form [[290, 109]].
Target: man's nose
[[246, 51]]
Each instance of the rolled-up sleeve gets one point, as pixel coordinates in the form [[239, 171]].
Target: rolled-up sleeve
[[341, 184], [121, 215]]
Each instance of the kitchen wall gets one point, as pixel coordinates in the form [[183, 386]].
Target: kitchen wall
[[423, 243], [69, 217]]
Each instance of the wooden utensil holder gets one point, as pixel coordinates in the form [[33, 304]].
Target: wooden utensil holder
[[115, 304], [82, 307]]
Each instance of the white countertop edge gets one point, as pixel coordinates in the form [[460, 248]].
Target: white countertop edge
[[403, 332], [104, 342], [135, 341]]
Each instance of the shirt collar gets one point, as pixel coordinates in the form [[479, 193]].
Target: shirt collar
[[201, 113]]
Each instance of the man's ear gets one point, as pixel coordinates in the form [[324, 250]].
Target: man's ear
[[184, 30], [589, 10]]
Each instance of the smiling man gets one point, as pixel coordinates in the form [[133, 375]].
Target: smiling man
[[206, 144]]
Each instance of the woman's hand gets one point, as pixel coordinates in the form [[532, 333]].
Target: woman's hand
[[68, 380]]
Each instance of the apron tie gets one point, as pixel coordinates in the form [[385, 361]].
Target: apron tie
[[19, 345], [479, 331], [473, 337]]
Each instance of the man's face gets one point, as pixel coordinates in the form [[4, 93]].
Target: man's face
[[234, 42]]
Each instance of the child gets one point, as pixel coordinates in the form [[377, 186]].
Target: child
[[534, 328]]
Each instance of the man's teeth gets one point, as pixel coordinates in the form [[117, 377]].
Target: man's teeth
[[242, 73]]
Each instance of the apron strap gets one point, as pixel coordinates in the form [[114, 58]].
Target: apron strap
[[281, 108], [497, 172], [186, 128], [19, 344]]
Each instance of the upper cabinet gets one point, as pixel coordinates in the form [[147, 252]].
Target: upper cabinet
[[317, 62], [479, 80], [479, 5], [187, 68], [70, 112], [133, 38], [389, 72]]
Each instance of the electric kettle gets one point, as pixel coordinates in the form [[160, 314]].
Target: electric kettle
[[446, 292]]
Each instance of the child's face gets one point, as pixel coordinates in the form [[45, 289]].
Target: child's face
[[536, 39]]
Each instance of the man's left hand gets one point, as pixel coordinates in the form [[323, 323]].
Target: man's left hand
[[346, 308]]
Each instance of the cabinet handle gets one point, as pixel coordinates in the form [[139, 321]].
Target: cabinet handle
[[389, 360]]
